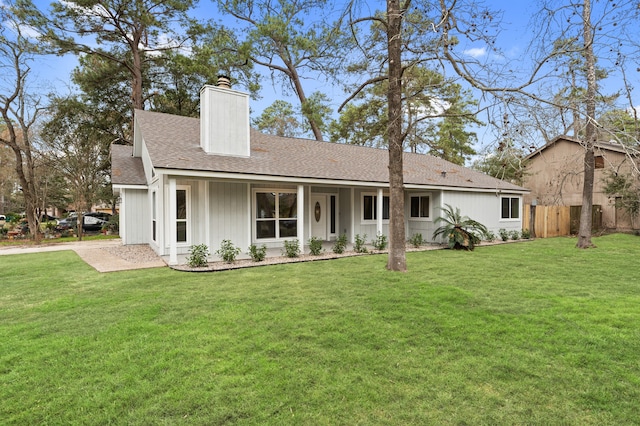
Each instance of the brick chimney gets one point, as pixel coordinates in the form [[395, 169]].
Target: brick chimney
[[224, 120]]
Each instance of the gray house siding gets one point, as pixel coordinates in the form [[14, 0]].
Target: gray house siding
[[229, 214], [484, 208], [135, 220]]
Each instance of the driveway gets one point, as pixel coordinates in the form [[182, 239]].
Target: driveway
[[102, 255]]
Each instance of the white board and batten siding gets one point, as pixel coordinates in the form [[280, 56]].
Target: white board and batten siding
[[134, 217], [484, 208], [229, 214]]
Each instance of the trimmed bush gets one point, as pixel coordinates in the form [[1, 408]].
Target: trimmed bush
[[315, 246], [340, 244], [228, 252], [416, 240], [291, 248], [380, 243], [198, 255], [256, 253], [359, 244]]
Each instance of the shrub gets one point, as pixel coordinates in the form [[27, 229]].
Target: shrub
[[292, 248], [490, 236], [315, 246], [228, 252], [359, 244], [461, 231], [514, 235], [341, 244], [504, 234], [113, 224], [526, 234], [380, 243], [198, 255], [256, 253], [416, 240]]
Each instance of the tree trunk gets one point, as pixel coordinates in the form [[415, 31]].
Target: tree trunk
[[584, 233], [295, 78], [397, 255]]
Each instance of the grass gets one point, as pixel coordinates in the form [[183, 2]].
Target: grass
[[528, 333]]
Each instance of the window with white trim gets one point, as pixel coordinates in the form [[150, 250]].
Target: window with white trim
[[154, 217], [420, 207], [510, 208], [370, 207], [182, 214], [276, 214]]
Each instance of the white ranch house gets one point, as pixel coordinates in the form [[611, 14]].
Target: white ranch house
[[193, 181]]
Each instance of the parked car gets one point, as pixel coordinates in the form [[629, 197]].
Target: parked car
[[92, 221]]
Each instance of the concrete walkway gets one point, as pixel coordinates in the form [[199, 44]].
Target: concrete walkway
[[102, 255]]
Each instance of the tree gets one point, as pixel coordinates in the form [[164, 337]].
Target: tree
[[280, 37], [128, 34], [279, 119], [506, 164], [77, 149], [620, 125], [176, 77], [625, 187], [19, 111], [435, 116], [406, 35]]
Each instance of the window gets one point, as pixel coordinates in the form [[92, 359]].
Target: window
[[276, 215], [154, 217], [370, 207], [420, 206], [333, 213], [510, 208], [599, 162], [182, 206]]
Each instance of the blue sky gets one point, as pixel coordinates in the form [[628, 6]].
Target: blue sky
[[52, 73]]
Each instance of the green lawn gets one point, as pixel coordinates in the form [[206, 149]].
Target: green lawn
[[528, 333]]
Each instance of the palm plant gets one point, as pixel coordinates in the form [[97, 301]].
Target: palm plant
[[462, 232]]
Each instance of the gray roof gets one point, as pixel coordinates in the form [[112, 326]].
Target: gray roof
[[125, 168], [173, 142]]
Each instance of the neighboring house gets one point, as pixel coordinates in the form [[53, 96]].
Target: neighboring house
[[555, 176], [200, 181]]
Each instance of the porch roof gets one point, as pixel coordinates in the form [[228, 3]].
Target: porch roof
[[173, 142], [126, 169]]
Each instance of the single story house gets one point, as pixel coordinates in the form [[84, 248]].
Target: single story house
[[192, 181], [555, 176]]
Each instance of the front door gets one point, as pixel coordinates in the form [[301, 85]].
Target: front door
[[319, 215]]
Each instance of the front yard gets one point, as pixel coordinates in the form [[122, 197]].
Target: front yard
[[527, 333]]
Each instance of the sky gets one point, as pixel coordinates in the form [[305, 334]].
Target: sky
[[52, 72]]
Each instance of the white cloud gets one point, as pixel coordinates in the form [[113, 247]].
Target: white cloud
[[476, 52]]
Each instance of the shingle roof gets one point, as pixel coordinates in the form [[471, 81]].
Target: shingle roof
[[173, 142], [125, 168], [603, 146]]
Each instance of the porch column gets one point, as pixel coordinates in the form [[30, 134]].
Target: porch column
[[122, 214], [379, 210], [300, 204], [173, 227], [352, 231], [203, 190], [250, 218]]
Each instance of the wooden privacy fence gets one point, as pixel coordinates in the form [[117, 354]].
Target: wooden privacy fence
[[547, 221]]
